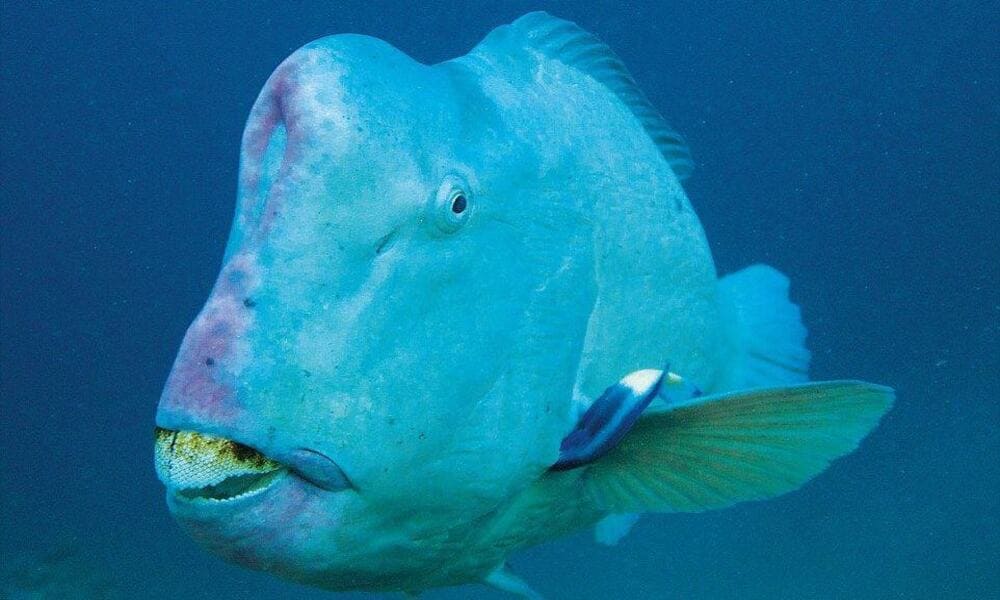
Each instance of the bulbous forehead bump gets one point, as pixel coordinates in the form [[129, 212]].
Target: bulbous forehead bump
[[307, 96], [301, 116], [340, 116]]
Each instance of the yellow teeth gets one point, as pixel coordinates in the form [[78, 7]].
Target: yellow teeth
[[186, 459]]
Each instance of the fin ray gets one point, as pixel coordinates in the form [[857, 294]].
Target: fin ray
[[568, 43]]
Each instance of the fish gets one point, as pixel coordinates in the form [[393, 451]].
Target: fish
[[466, 308]]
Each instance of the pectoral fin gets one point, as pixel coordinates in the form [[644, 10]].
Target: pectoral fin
[[713, 451]]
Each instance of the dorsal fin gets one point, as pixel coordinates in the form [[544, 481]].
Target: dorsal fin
[[569, 44]]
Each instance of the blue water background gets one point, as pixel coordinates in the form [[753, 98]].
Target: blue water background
[[851, 145]]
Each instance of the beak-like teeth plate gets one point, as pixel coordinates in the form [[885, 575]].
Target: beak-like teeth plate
[[187, 459]]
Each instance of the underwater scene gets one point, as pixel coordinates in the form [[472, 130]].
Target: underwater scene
[[486, 300]]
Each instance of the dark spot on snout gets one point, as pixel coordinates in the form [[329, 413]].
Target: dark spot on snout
[[209, 361], [249, 302], [385, 242]]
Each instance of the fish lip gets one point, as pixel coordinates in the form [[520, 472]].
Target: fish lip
[[317, 469]]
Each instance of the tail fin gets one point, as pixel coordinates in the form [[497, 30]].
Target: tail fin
[[766, 329], [714, 451]]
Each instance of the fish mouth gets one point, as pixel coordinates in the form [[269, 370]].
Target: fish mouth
[[232, 488], [204, 468]]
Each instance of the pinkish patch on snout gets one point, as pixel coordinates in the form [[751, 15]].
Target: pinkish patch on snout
[[201, 385], [275, 106]]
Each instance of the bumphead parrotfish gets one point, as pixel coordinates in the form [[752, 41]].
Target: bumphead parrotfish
[[442, 324]]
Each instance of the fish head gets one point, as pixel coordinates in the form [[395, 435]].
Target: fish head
[[389, 349]]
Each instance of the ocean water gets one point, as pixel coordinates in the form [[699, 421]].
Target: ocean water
[[851, 145]]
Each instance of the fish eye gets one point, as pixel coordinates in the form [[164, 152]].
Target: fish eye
[[452, 205]]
